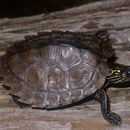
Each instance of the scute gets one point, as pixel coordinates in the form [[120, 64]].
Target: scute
[[54, 75]]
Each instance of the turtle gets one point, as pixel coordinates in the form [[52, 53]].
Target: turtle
[[59, 69]]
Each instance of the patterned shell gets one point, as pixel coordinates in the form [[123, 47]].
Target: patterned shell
[[54, 75]]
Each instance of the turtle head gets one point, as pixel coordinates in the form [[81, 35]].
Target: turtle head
[[120, 76]]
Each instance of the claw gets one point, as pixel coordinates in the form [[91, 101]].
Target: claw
[[113, 118]]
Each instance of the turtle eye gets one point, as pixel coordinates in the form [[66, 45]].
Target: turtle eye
[[125, 73], [116, 72]]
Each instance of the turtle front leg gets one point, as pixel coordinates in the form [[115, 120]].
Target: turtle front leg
[[108, 115]]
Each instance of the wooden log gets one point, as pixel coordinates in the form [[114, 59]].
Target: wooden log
[[113, 15], [89, 118]]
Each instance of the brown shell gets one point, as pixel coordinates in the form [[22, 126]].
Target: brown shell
[[52, 76]]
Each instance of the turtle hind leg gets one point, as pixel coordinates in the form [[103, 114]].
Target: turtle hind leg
[[108, 115], [21, 105]]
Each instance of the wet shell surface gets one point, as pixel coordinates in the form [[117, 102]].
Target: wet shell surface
[[53, 76]]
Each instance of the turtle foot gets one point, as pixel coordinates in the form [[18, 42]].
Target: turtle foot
[[113, 118]]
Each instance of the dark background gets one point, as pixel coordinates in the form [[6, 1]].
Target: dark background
[[18, 8]]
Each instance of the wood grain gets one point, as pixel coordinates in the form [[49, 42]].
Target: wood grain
[[113, 15]]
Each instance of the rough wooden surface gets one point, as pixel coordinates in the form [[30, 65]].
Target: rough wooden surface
[[113, 15], [83, 117]]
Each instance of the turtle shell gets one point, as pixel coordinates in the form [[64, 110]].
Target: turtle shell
[[54, 75]]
